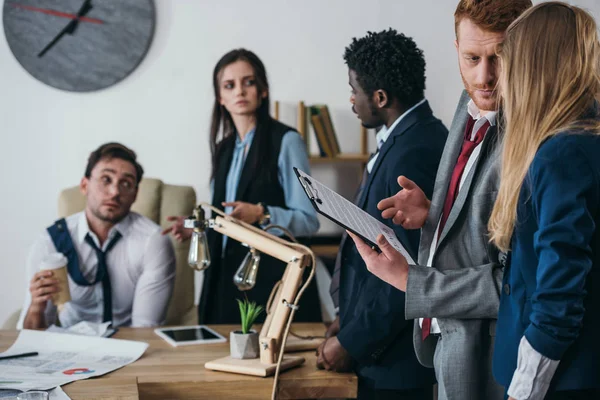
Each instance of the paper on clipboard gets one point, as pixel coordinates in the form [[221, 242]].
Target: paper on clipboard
[[346, 214]]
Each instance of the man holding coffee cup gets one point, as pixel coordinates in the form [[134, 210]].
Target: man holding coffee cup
[[56, 265], [105, 263]]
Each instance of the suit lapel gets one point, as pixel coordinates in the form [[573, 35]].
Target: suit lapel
[[444, 175], [447, 165], [382, 152], [463, 194], [419, 113]]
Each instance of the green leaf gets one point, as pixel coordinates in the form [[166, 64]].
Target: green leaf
[[254, 313], [250, 316], [243, 314], [249, 312]]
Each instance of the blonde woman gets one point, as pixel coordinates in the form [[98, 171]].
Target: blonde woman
[[547, 213]]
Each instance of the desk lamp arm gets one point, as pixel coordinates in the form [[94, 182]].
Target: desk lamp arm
[[275, 330]]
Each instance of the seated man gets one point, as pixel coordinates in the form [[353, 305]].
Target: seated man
[[120, 267]]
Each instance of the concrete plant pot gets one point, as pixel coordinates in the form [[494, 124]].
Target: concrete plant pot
[[243, 346]]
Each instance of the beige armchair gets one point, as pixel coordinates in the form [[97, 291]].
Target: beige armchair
[[157, 200]]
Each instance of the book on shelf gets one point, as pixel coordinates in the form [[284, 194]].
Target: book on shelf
[[328, 123], [324, 131], [319, 129]]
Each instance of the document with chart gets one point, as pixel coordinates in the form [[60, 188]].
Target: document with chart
[[350, 217], [59, 358]]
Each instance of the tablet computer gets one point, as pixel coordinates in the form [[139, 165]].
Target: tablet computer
[[185, 335]]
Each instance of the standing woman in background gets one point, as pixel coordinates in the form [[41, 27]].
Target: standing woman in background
[[252, 179], [547, 213]]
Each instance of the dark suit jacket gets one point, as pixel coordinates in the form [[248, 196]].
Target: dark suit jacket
[[373, 327], [551, 287]]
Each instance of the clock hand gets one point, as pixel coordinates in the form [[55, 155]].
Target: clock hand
[[70, 28], [57, 13], [85, 8]]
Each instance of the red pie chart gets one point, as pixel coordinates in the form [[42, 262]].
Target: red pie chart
[[78, 371]]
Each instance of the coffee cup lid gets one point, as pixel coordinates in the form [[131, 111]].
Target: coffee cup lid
[[54, 261]]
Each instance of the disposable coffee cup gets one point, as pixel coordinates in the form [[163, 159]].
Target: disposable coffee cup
[[57, 263]]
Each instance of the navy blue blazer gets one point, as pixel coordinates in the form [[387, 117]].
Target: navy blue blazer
[[551, 288], [373, 328]]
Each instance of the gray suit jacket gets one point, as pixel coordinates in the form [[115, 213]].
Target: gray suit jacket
[[462, 289]]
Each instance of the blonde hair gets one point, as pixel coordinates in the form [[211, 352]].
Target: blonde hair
[[550, 62]]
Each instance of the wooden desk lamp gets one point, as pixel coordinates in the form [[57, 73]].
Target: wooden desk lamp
[[273, 335]]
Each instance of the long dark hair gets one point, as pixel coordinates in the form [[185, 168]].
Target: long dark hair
[[222, 124]]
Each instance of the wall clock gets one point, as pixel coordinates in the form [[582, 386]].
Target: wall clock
[[79, 45]]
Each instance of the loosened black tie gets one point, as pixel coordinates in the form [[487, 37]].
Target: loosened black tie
[[102, 273]]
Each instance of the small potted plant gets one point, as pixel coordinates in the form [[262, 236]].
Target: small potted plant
[[244, 343]]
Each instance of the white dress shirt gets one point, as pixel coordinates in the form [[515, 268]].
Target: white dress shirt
[[474, 112], [141, 267], [384, 134]]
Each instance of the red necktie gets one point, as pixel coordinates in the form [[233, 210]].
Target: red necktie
[[465, 152]]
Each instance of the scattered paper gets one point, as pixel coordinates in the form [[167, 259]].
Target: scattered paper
[[63, 358], [85, 328]]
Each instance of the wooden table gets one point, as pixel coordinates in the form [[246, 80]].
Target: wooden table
[[166, 372]]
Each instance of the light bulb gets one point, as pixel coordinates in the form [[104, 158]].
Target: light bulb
[[245, 276], [199, 256]]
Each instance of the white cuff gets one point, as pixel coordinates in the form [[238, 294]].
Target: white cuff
[[67, 316], [533, 375]]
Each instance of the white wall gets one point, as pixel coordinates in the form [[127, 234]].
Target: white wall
[[162, 110]]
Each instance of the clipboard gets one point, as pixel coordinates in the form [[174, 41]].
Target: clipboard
[[346, 214]]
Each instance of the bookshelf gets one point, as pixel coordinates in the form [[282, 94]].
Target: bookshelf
[[342, 158], [327, 250]]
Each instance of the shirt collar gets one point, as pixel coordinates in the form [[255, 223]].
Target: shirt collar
[[475, 113], [384, 133], [247, 139], [83, 229]]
